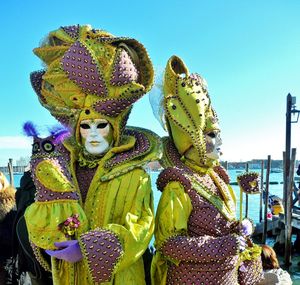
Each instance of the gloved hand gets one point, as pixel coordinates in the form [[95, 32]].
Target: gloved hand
[[242, 243], [67, 250], [247, 227]]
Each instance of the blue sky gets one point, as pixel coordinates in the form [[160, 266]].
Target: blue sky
[[248, 51]]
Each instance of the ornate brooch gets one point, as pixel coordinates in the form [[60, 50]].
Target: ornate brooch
[[70, 226]]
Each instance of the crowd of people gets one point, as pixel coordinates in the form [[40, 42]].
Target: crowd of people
[[84, 212]]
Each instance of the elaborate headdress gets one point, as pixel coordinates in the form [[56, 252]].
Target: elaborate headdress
[[90, 74], [188, 110]]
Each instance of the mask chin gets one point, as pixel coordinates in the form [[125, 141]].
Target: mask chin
[[213, 155], [99, 149]]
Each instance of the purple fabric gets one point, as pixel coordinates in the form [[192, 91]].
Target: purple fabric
[[245, 180], [114, 107], [72, 31], [189, 273], [59, 159], [174, 157], [48, 195], [209, 251], [205, 219], [172, 174], [84, 177], [200, 249], [124, 71], [222, 173], [67, 250], [251, 273], [102, 250], [141, 147], [80, 66], [36, 82]]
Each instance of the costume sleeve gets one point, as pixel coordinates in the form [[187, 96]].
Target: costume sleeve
[[42, 220], [171, 231], [117, 246]]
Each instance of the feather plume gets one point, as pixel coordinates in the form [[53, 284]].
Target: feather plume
[[30, 130], [60, 133]]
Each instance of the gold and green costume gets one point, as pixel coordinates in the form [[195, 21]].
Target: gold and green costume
[[91, 74], [196, 231]]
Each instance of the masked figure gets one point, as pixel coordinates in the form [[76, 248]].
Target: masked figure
[[197, 236], [93, 212]]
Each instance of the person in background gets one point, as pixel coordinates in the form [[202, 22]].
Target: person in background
[[273, 274], [7, 216], [27, 269]]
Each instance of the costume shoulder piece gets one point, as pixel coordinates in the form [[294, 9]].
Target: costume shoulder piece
[[173, 174], [221, 171], [147, 147]]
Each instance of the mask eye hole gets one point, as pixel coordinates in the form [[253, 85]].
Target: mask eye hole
[[84, 126], [48, 146], [102, 125], [35, 147], [212, 135]]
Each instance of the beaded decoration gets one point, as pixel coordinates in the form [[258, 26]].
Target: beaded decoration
[[88, 69], [49, 165], [102, 249], [249, 182], [187, 106], [141, 147]]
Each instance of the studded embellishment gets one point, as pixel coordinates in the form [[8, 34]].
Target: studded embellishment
[[114, 107], [36, 82], [201, 248], [222, 173], [249, 182], [124, 71], [103, 250], [252, 272], [72, 31], [141, 147], [48, 195], [174, 157], [81, 68], [172, 174]]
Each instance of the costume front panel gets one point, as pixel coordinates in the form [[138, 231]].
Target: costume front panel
[[116, 223]]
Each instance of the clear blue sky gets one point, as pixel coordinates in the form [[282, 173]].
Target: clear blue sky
[[248, 51]]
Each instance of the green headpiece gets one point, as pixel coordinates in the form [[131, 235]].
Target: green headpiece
[[188, 110], [91, 74]]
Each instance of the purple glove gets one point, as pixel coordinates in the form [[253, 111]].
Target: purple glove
[[67, 250], [247, 227], [242, 243]]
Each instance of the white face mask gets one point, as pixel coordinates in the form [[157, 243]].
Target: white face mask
[[213, 143], [96, 135]]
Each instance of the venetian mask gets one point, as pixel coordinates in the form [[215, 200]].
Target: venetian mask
[[96, 135], [213, 143]]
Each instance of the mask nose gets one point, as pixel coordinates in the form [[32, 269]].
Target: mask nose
[[94, 131]]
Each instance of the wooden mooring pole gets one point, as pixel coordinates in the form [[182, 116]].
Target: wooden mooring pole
[[11, 172], [287, 180], [247, 201], [261, 189], [289, 209], [265, 229]]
